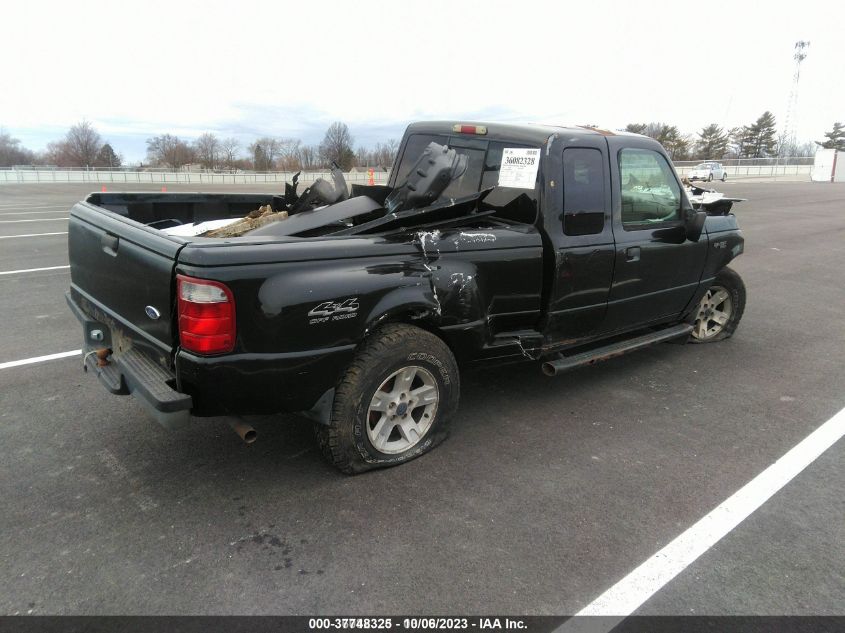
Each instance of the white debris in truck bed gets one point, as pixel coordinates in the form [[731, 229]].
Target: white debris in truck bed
[[192, 230], [229, 227]]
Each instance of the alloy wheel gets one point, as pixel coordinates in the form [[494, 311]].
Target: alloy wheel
[[402, 409], [714, 312]]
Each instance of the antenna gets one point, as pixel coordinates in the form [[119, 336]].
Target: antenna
[[790, 125]]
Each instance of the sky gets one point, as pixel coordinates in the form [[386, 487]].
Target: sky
[[248, 69]]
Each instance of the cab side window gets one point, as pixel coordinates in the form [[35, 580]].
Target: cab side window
[[650, 192], [584, 192]]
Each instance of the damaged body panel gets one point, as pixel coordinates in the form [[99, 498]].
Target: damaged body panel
[[709, 200], [506, 242]]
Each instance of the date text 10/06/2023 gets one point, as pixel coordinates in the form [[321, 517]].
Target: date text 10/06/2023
[[417, 623]]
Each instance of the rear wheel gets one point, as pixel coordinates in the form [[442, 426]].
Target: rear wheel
[[724, 176], [720, 309], [394, 403]]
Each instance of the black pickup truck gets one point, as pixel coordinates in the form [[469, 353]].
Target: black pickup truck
[[491, 243]]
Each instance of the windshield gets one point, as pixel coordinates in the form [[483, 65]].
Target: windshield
[[703, 166]]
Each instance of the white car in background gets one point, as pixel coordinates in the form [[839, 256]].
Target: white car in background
[[708, 171]]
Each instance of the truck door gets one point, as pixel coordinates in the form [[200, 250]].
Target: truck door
[[578, 224], [657, 270]]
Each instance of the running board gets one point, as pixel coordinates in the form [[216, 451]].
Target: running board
[[565, 363]]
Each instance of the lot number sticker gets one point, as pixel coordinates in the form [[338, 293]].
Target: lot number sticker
[[519, 167]]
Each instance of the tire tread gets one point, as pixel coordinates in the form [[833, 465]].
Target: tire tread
[[349, 386]]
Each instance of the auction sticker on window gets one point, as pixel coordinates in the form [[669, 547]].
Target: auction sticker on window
[[519, 167]]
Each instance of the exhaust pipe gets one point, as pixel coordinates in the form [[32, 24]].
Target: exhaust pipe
[[549, 368], [244, 430]]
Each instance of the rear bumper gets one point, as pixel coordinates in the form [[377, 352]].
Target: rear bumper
[[133, 372], [233, 384]]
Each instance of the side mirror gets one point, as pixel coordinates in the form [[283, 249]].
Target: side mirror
[[694, 223]]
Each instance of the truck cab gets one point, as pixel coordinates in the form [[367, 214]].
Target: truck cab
[[624, 249]]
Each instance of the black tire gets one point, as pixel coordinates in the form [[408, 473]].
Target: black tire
[[729, 280], [724, 176], [710, 177], [345, 442]]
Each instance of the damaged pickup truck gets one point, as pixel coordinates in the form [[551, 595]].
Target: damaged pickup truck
[[490, 244]]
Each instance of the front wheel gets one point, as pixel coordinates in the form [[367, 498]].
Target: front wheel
[[720, 309], [710, 178], [394, 402], [724, 176]]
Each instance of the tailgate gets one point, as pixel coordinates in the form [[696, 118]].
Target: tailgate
[[125, 269]]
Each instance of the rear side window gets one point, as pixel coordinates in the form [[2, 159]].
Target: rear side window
[[468, 182], [413, 150], [583, 191], [463, 186], [650, 192], [484, 159]]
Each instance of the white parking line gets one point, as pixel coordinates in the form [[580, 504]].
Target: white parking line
[[8, 237], [31, 270], [39, 359], [627, 595], [33, 220], [4, 213], [26, 206]]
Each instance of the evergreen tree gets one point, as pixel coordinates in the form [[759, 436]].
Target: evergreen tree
[[759, 137], [736, 141], [712, 142], [636, 128], [261, 160], [672, 141], [835, 138], [107, 157]]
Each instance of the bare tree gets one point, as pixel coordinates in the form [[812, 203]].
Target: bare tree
[[207, 150], [79, 148], [265, 151], [385, 153], [309, 156], [229, 148], [11, 151], [168, 151], [55, 154], [337, 145], [289, 159], [363, 157]]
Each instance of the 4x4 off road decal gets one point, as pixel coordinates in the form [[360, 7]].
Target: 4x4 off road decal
[[333, 311]]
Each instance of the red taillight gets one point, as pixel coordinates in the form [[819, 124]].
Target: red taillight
[[206, 315], [459, 128]]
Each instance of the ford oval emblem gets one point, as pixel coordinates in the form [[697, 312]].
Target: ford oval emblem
[[152, 312]]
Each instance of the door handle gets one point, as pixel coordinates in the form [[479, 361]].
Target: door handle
[[109, 243], [632, 254]]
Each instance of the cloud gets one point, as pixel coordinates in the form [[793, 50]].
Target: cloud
[[263, 68]]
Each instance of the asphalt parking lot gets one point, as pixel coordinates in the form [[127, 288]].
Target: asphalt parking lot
[[547, 493]]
